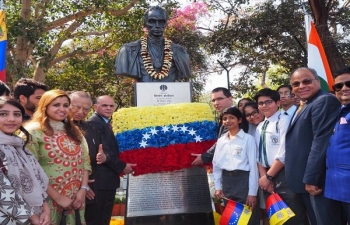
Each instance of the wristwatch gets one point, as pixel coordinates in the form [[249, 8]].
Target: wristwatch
[[269, 177], [85, 187]]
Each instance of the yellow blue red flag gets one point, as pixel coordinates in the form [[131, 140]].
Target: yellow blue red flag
[[277, 210], [3, 43], [235, 213], [162, 138]]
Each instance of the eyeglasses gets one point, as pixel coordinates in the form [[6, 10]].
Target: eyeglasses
[[76, 107], [287, 94], [306, 81], [254, 113], [338, 86], [267, 102], [218, 99]]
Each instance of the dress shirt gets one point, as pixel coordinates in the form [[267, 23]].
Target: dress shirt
[[238, 153], [275, 137], [289, 111]]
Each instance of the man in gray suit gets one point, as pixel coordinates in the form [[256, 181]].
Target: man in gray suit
[[306, 144]]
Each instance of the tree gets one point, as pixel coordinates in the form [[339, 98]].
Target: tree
[[95, 73], [262, 36], [324, 13], [39, 30]]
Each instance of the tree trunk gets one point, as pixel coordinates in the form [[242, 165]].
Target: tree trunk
[[39, 73], [320, 10]]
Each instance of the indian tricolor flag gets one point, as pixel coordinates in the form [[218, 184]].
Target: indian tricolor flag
[[3, 42], [316, 55], [162, 138]]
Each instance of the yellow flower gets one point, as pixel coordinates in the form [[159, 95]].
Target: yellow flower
[[150, 116]]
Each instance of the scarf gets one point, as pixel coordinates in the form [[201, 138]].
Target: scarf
[[24, 172]]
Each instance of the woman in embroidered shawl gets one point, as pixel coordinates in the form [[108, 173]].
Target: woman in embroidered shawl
[[23, 183], [62, 151]]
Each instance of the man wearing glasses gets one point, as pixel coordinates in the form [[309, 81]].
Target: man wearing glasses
[[338, 152], [287, 100], [109, 170], [221, 98], [306, 144], [270, 139]]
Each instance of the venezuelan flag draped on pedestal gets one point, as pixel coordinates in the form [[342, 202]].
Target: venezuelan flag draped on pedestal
[[3, 42], [235, 213], [316, 57], [277, 210], [162, 138]]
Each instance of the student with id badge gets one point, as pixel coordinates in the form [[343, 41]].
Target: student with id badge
[[270, 139]]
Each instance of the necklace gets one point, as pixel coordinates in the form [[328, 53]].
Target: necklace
[[146, 58]]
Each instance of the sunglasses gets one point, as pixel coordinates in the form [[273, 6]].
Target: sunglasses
[[338, 86], [306, 81]]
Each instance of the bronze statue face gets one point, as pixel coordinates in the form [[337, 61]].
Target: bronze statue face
[[156, 23]]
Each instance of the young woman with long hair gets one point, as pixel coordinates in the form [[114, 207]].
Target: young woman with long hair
[[23, 181], [62, 151]]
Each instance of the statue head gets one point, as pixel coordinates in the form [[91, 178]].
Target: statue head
[[155, 20]]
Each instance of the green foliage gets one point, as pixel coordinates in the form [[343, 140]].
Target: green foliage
[[264, 36], [93, 75]]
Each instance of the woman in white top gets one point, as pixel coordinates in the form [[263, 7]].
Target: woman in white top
[[234, 164]]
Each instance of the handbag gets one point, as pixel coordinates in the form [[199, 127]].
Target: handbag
[[65, 214]]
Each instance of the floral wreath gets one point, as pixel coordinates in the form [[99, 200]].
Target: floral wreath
[[146, 58]]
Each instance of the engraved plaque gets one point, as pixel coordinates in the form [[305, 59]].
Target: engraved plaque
[[183, 191]]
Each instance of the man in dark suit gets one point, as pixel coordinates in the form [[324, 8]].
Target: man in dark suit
[[108, 172], [306, 144], [221, 98]]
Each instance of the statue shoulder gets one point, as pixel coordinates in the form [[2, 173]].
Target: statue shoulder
[[178, 49], [177, 46], [133, 44]]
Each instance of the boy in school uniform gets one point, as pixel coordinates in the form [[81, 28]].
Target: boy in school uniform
[[270, 137]]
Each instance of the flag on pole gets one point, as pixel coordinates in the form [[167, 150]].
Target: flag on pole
[[235, 213], [3, 42], [317, 59]]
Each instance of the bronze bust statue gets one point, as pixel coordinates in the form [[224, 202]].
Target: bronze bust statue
[[153, 58]]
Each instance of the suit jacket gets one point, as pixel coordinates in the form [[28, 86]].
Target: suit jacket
[[338, 159], [93, 140], [109, 171], [307, 140]]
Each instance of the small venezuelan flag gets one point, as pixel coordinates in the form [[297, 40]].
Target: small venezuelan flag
[[235, 213], [162, 138], [3, 42], [277, 210]]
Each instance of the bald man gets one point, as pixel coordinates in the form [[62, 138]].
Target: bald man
[[109, 171]]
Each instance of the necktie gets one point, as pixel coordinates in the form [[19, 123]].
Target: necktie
[[262, 145], [302, 104], [109, 125], [285, 113]]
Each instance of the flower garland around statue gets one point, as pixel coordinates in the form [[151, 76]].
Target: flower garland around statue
[[146, 58]]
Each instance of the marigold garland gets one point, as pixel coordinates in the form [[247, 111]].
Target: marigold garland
[[146, 58]]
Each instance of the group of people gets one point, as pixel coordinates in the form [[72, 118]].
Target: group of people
[[300, 151], [56, 168]]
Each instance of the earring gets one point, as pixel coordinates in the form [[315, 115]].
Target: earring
[[65, 120]]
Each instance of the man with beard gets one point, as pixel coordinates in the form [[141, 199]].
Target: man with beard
[[28, 92], [153, 58]]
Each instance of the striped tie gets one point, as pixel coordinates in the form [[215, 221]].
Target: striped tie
[[262, 145]]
